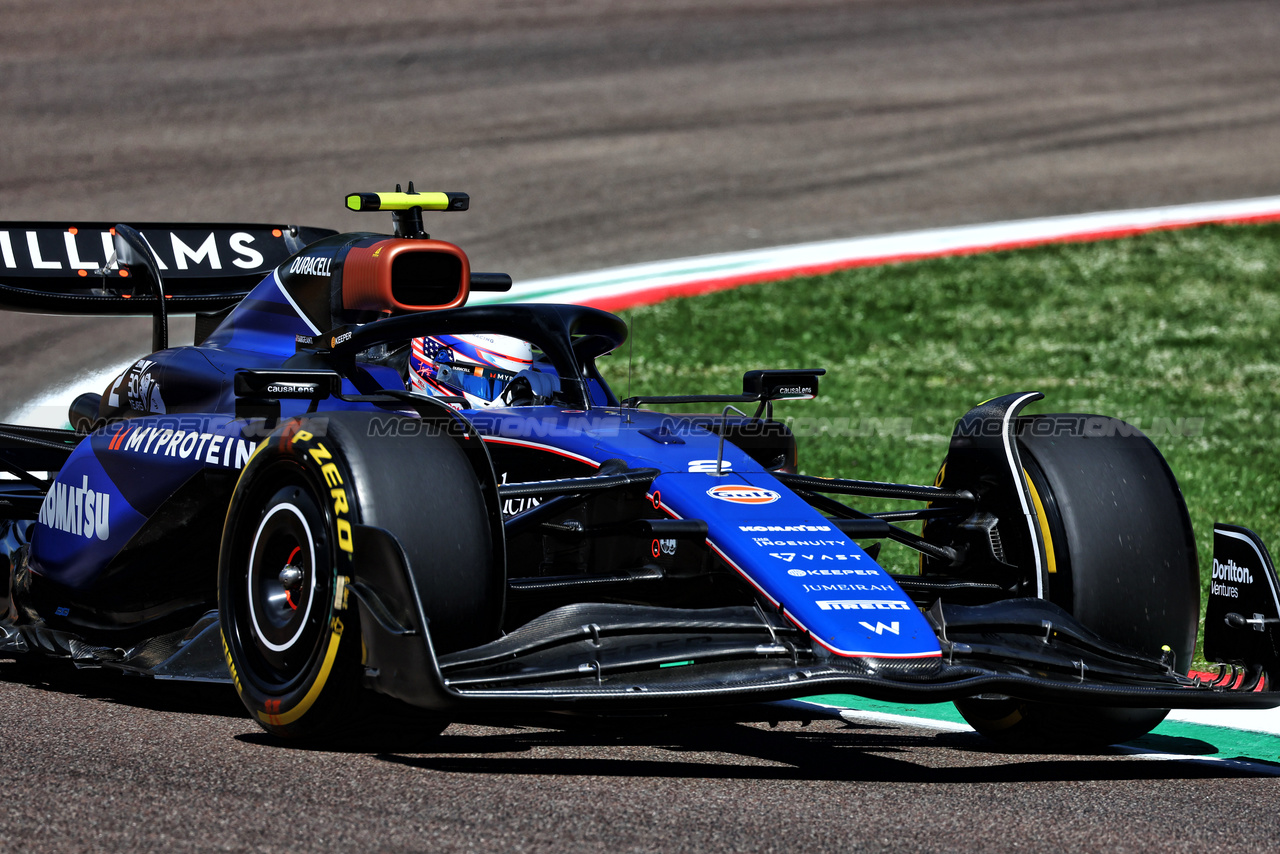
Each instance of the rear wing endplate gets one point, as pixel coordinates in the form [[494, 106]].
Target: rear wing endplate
[[65, 267]]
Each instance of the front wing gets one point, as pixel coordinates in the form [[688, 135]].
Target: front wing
[[592, 657], [611, 657]]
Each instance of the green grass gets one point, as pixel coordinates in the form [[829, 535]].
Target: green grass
[[1172, 331]]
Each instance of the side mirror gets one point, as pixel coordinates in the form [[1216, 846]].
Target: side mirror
[[782, 385]]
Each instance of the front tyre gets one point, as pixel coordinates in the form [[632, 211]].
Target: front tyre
[[290, 629], [1122, 560], [292, 647]]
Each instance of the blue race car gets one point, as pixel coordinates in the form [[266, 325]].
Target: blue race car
[[354, 492]]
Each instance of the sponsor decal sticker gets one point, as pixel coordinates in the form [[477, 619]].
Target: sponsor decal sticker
[[310, 265], [293, 388], [77, 510], [767, 541], [322, 457], [1229, 571], [47, 251], [802, 573], [742, 494], [213, 449], [848, 588], [863, 605], [663, 547], [513, 506], [140, 389]]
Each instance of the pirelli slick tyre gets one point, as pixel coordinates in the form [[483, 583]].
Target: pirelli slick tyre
[[290, 629], [1122, 559]]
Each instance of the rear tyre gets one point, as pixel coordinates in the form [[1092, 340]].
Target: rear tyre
[[291, 635], [1122, 560]]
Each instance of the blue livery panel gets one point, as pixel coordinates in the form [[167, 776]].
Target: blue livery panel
[[83, 522], [823, 581], [117, 478], [820, 579], [265, 322]]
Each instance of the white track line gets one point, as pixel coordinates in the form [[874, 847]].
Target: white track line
[[860, 716], [855, 716], [619, 287], [1249, 720]]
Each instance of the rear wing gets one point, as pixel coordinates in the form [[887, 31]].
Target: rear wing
[[66, 268]]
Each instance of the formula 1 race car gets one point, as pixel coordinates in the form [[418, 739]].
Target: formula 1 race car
[[342, 497]]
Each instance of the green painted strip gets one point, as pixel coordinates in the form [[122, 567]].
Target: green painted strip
[[1216, 741], [932, 711], [1171, 736], [1179, 737], [676, 663]]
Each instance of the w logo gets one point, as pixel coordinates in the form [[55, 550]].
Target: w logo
[[880, 628]]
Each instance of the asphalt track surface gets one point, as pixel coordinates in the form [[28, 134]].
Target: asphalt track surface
[[592, 134]]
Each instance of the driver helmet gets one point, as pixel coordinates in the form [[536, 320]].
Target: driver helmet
[[477, 367]]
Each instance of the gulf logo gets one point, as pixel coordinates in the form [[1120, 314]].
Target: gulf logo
[[739, 494]]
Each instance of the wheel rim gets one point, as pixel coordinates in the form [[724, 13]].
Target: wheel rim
[[281, 579], [283, 592]]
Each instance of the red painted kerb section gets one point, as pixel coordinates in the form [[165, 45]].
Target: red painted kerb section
[[658, 293]]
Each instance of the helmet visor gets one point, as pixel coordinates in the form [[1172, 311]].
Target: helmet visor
[[476, 380]]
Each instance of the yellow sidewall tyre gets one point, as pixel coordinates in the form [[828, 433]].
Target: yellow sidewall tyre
[[291, 643]]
